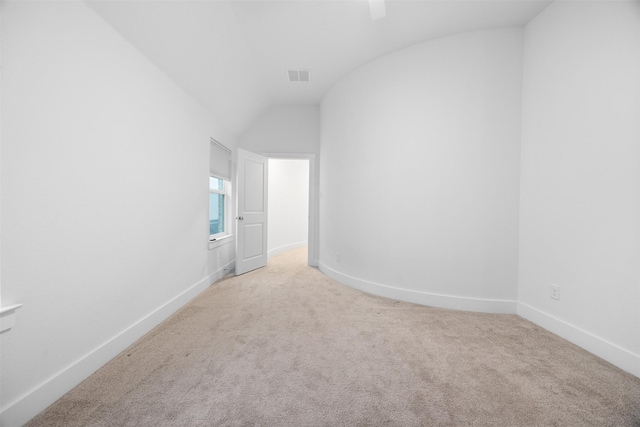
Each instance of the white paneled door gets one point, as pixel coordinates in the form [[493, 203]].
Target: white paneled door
[[251, 244]]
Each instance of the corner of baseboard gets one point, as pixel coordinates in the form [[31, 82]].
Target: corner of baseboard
[[612, 353]]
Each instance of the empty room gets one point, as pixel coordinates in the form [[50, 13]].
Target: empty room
[[319, 213]]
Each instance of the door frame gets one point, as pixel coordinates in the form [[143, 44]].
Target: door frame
[[313, 233]]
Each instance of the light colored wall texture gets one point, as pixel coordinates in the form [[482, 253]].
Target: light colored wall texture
[[104, 199], [292, 129], [420, 171], [579, 226], [288, 204]]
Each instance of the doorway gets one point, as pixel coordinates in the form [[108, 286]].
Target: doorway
[[288, 210], [292, 204]]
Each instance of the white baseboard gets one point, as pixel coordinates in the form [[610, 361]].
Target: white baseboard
[[612, 353], [275, 251], [423, 298], [36, 400], [27, 406]]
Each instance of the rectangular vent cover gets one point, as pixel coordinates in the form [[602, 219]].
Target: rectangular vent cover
[[303, 76]]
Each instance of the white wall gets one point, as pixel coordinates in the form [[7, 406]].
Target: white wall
[[579, 226], [288, 213], [420, 170], [291, 130], [286, 129], [104, 199]]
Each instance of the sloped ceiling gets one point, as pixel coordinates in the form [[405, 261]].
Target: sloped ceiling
[[233, 55]]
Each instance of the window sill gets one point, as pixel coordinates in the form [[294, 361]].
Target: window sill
[[220, 241], [7, 317]]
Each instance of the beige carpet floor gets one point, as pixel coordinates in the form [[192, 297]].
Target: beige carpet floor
[[287, 346]]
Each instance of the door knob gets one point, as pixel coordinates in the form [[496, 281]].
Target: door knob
[[240, 218]]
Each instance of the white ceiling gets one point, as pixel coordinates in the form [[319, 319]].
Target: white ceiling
[[232, 55]]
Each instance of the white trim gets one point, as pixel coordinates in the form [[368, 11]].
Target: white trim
[[612, 353], [219, 241], [313, 235], [8, 317], [9, 308], [275, 251], [423, 298], [34, 401]]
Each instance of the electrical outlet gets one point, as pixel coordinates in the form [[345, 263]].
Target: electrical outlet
[[338, 257], [555, 292]]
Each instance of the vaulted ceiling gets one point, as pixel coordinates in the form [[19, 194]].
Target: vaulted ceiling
[[233, 55]]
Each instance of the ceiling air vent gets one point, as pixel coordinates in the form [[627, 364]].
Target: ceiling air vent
[[303, 76]]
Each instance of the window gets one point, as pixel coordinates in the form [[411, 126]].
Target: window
[[219, 192], [218, 196]]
